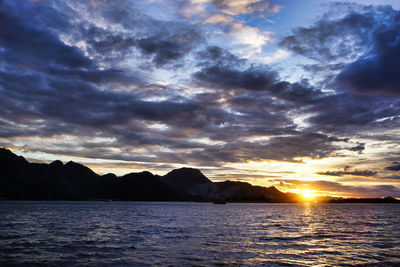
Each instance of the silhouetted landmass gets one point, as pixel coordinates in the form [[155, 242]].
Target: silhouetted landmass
[[185, 178], [388, 199], [194, 184], [21, 180]]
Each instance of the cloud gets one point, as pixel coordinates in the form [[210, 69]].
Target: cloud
[[246, 6], [79, 107], [23, 44], [376, 73], [365, 38], [219, 19], [169, 47], [193, 8], [338, 113], [364, 173], [224, 71], [249, 36], [391, 177], [328, 40], [224, 24], [277, 55], [215, 55], [227, 78], [310, 145], [82, 102], [394, 167]]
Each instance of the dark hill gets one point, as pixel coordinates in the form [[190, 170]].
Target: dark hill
[[184, 178], [56, 164], [143, 186], [11, 159], [20, 179], [387, 199], [244, 192]]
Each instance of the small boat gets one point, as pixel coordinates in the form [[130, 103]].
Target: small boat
[[219, 202]]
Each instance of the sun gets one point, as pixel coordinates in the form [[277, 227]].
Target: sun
[[307, 195]]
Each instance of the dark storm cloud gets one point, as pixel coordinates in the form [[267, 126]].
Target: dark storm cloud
[[224, 71], [115, 78], [71, 96], [339, 113], [330, 39], [53, 17], [77, 104], [229, 78], [351, 114], [57, 82], [81, 102], [368, 37], [76, 77], [334, 113], [365, 173], [376, 73], [119, 11], [290, 148], [358, 148], [169, 47], [392, 177], [164, 41], [33, 45], [165, 48], [300, 93], [312, 145], [217, 56], [22, 42], [394, 167], [102, 152], [105, 45]]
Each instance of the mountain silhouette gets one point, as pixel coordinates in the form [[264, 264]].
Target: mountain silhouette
[[21, 180], [184, 178]]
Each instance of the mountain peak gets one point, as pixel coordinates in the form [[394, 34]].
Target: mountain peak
[[184, 178], [7, 156], [187, 170], [79, 169], [273, 188], [56, 164], [73, 164]]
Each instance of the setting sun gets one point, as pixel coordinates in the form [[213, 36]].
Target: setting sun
[[307, 195]]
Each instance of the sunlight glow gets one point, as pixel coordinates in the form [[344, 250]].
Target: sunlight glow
[[307, 195]]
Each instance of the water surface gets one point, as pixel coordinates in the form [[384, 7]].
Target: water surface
[[181, 234]]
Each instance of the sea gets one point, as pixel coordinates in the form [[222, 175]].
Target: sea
[[198, 234]]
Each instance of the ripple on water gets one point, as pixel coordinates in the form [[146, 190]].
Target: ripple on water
[[129, 233]]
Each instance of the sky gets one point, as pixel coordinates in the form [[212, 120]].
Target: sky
[[301, 95]]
